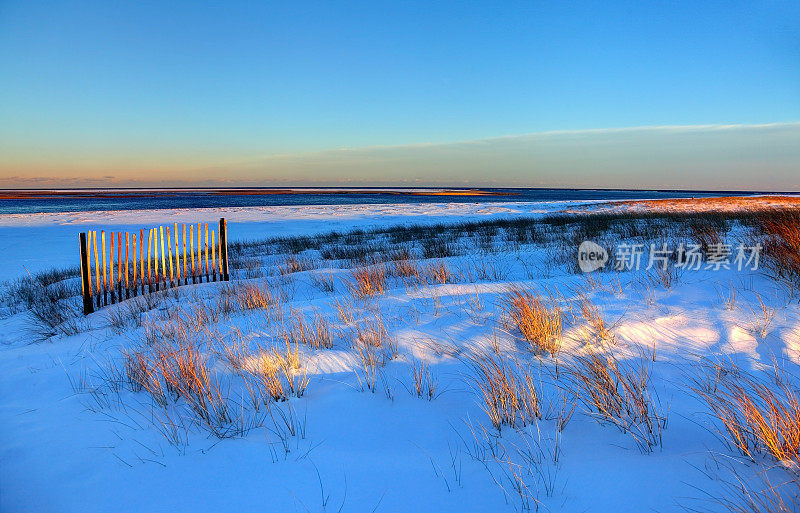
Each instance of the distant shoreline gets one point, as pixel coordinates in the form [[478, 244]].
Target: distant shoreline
[[29, 201], [696, 205], [11, 194]]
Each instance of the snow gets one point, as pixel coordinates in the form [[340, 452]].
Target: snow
[[35, 242], [62, 450]]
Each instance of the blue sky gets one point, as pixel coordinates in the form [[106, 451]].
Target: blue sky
[[134, 90]]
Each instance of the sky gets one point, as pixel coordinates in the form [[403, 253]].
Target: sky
[[639, 94]]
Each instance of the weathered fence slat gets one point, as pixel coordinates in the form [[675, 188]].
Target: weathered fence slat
[[103, 247], [135, 288], [127, 288], [149, 261], [213, 258], [171, 270], [119, 267], [206, 252], [86, 244], [191, 250], [111, 268], [177, 257], [223, 248], [86, 284], [185, 275], [96, 268], [163, 266], [199, 253]]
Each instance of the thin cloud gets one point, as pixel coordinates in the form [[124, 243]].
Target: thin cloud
[[741, 156]]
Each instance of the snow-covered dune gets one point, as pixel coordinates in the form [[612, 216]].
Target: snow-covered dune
[[383, 406]]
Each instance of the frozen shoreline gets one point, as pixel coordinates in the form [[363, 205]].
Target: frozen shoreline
[[285, 213], [22, 236]]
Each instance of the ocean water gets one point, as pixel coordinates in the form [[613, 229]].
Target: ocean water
[[132, 199]]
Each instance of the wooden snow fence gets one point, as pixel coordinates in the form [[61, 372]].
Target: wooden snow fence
[[125, 265]]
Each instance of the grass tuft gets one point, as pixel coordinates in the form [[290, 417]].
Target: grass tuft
[[368, 281], [619, 394], [781, 244], [757, 418], [508, 393], [539, 324]]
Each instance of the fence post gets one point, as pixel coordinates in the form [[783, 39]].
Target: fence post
[[191, 247], [88, 306], [96, 267], [199, 254], [141, 258], [105, 285], [112, 288], [223, 248], [185, 266], [206, 252], [119, 266], [127, 274]]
